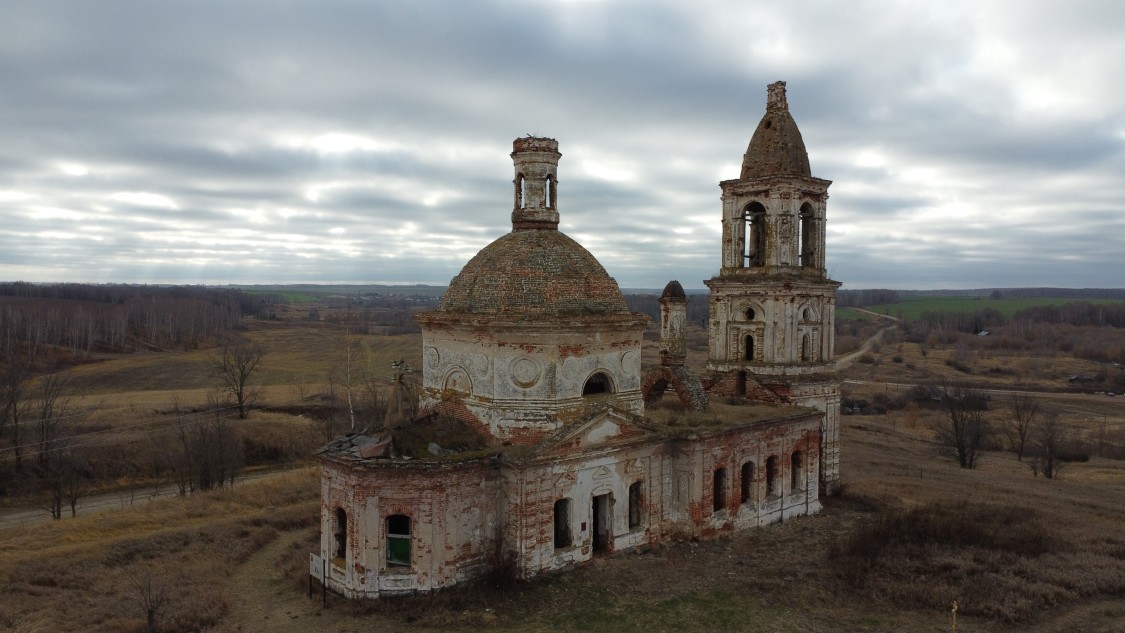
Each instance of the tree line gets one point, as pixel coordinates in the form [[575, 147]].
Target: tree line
[[865, 297], [698, 308], [40, 322], [1078, 314]]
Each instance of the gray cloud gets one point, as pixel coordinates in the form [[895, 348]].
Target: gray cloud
[[257, 141]]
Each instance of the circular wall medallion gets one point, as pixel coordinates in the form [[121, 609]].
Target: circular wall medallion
[[432, 357], [631, 363], [524, 372]]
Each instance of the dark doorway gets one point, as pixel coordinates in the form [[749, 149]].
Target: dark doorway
[[562, 523], [601, 521]]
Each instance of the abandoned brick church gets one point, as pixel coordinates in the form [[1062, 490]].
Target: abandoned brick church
[[531, 450]]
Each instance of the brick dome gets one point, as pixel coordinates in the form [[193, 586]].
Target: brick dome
[[673, 291], [776, 149], [532, 275]]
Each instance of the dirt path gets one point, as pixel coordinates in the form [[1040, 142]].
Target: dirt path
[[32, 514], [849, 359], [262, 599], [876, 314]]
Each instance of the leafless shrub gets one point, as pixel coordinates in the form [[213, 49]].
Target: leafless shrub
[[1047, 449], [1022, 411], [151, 596]]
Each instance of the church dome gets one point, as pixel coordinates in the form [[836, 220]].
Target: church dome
[[673, 291], [776, 149], [532, 275]]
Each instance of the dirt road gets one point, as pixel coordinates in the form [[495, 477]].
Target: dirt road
[[30, 515]]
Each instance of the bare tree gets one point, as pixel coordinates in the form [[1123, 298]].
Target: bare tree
[[1046, 449], [15, 376], [208, 452], [152, 596], [62, 471], [1022, 409], [234, 366], [353, 383], [346, 374], [964, 431]]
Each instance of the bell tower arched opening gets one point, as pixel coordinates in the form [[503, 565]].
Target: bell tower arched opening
[[805, 236], [549, 192], [754, 243], [521, 192]]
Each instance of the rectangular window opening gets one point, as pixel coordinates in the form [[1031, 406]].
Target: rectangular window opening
[[398, 541]]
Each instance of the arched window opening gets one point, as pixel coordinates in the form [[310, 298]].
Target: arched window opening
[[458, 381], [562, 523], [805, 238], [797, 471], [340, 534], [746, 481], [549, 192], [750, 314], [635, 499], [806, 315], [719, 490], [749, 349], [599, 383], [806, 348], [773, 482], [754, 219], [398, 540], [521, 192]]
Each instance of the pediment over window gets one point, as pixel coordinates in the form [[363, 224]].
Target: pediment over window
[[607, 428]]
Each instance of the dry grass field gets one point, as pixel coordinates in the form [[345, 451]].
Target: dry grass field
[[910, 534], [1018, 553], [132, 397]]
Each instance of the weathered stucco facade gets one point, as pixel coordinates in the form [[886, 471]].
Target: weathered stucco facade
[[533, 450]]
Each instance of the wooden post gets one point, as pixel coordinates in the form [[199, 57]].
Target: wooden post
[[954, 612]]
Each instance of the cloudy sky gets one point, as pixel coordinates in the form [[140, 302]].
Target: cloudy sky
[[971, 143]]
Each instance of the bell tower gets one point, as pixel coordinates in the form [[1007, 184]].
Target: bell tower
[[772, 312]]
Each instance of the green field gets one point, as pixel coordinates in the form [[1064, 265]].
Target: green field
[[913, 307], [851, 314], [290, 295]]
